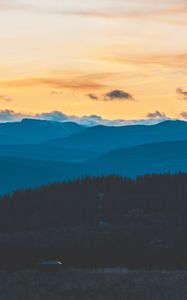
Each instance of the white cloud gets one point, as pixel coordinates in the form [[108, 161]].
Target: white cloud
[[90, 120]]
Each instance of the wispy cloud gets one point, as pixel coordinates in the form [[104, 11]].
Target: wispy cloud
[[169, 60], [92, 96], [101, 9], [79, 83], [141, 12], [182, 93], [56, 93], [9, 5], [5, 98]]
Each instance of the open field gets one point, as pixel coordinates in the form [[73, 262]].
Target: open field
[[106, 284]]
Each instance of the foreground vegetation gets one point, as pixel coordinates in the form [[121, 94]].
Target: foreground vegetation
[[135, 224], [108, 284]]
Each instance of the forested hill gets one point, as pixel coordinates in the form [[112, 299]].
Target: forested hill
[[77, 202]]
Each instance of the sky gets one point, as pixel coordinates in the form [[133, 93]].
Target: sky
[[100, 59]]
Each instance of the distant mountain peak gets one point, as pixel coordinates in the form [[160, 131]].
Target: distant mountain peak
[[30, 120], [30, 131], [172, 122], [42, 121]]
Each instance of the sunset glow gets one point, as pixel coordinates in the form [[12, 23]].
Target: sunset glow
[[68, 56]]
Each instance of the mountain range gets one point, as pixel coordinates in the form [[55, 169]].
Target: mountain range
[[105, 138], [30, 131], [35, 153]]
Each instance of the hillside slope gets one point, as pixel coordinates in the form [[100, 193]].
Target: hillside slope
[[105, 138], [133, 161]]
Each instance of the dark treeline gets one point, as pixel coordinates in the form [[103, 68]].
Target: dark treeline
[[142, 223], [77, 202]]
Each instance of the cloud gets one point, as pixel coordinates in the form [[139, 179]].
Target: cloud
[[56, 93], [58, 116], [9, 5], [80, 83], [138, 12], [183, 114], [11, 116], [90, 120], [156, 115], [92, 96], [113, 95], [53, 116], [5, 98], [118, 95], [169, 60], [182, 93]]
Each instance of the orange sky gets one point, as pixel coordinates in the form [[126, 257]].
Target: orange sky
[[54, 54]]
